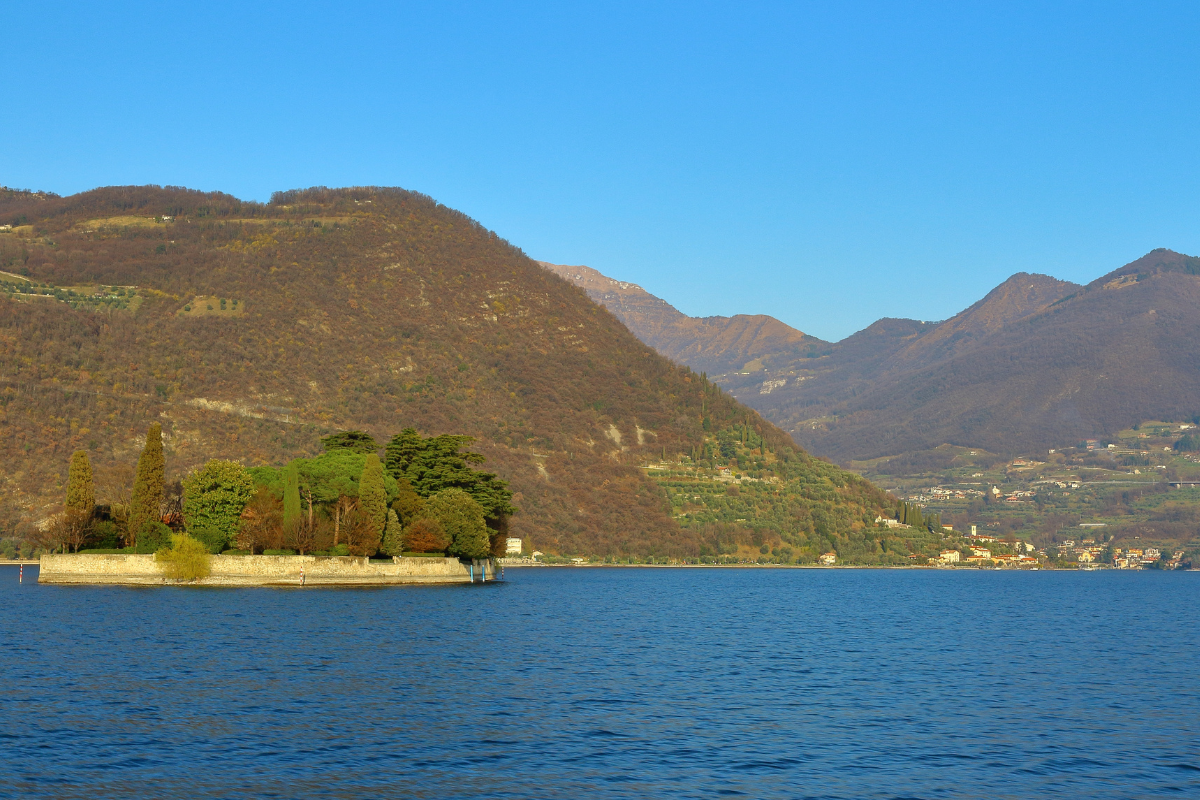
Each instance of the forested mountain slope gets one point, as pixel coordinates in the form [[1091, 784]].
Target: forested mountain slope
[[249, 330]]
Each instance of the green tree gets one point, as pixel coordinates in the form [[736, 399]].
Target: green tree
[[147, 485], [462, 520], [434, 464], [393, 536], [372, 498], [408, 504], [153, 536], [81, 491], [214, 497], [332, 480], [291, 496], [354, 441]]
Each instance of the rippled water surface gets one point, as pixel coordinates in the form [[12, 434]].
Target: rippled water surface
[[610, 683]]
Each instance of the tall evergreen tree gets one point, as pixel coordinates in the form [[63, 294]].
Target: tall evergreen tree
[[81, 492], [147, 485], [914, 516], [372, 498], [393, 536]]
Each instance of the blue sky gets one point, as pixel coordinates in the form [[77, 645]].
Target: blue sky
[[828, 164]]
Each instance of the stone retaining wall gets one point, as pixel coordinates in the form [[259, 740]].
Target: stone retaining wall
[[135, 570]]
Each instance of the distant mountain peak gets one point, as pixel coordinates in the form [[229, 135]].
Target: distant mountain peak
[[1155, 262], [716, 345]]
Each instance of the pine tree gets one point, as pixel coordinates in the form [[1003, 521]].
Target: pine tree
[[147, 485], [81, 493], [372, 498]]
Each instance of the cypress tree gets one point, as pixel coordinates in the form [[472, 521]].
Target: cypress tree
[[393, 537], [915, 518], [81, 492], [372, 497], [147, 485]]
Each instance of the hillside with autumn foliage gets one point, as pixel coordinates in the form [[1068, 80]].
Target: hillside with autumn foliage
[[250, 330]]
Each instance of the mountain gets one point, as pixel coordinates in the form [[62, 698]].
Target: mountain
[[249, 330], [889, 351], [706, 344], [1090, 362], [1036, 363], [1018, 297]]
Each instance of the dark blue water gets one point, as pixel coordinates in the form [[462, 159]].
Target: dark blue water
[[610, 683]]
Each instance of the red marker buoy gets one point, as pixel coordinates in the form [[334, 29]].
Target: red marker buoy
[[21, 577]]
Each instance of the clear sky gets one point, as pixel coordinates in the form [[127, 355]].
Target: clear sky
[[826, 163]]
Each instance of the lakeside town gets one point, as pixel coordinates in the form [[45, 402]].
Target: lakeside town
[[1128, 502]]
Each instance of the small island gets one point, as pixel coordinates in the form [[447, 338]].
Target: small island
[[420, 514]]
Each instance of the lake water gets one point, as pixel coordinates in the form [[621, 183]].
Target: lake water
[[610, 683]]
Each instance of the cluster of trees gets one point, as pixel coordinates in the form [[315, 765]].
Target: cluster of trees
[[910, 514], [428, 498], [1188, 444]]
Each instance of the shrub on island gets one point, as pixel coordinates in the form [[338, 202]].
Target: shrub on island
[[187, 559]]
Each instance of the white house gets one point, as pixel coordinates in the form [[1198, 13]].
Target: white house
[[512, 546]]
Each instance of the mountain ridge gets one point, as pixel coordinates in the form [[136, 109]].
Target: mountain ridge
[[1013, 372]]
